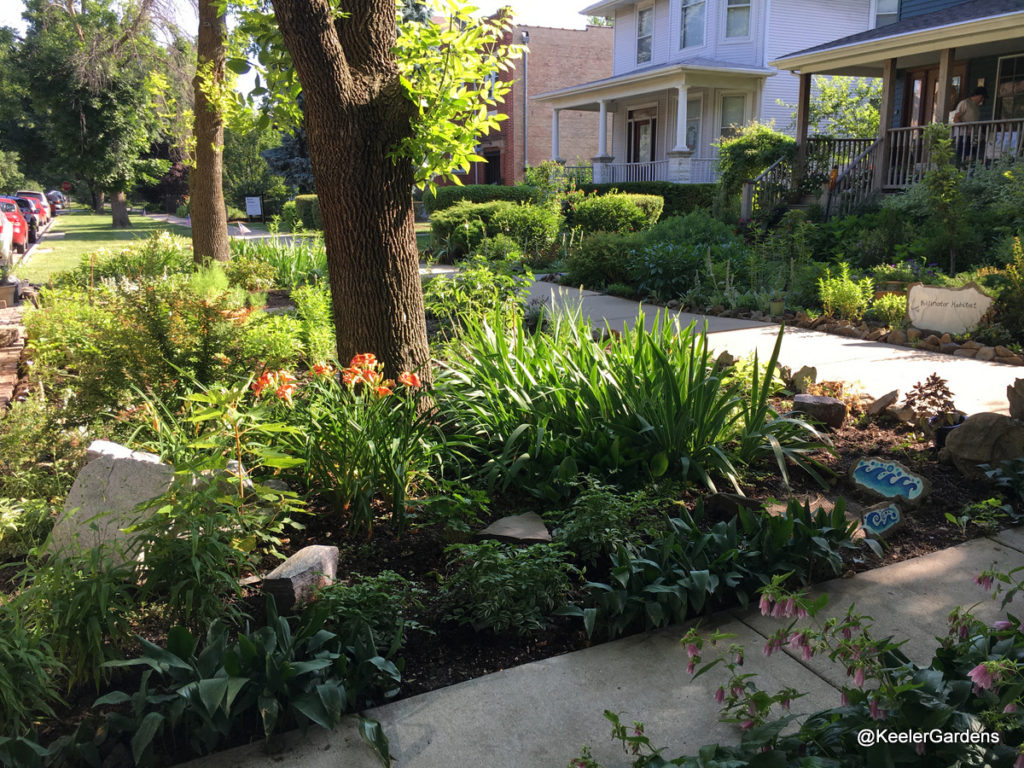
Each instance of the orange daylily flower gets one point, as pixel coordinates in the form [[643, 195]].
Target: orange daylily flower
[[409, 379], [366, 359], [322, 369]]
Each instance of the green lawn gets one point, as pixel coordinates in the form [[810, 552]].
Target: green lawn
[[85, 232]]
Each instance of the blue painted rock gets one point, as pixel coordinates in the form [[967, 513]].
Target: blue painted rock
[[882, 520], [887, 479]]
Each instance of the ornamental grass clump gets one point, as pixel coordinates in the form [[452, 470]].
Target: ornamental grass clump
[[540, 408]]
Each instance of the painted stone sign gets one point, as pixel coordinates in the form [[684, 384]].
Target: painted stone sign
[[888, 479], [947, 310], [881, 520]]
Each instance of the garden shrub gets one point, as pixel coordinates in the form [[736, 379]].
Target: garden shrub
[[480, 289], [459, 229], [600, 519], [307, 207], [1009, 305], [842, 296], [602, 259], [533, 227], [666, 270], [679, 199], [503, 587], [890, 309], [499, 248], [697, 227], [154, 257], [615, 213], [446, 197], [290, 219], [749, 152], [384, 605], [316, 320]]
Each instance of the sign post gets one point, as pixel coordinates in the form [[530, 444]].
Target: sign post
[[254, 208]]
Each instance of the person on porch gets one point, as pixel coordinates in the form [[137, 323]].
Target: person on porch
[[968, 111]]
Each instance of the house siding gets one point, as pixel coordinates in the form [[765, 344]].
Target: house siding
[[796, 24], [910, 8]]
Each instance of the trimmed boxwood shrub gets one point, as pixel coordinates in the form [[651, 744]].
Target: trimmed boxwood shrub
[[308, 209], [679, 199], [446, 197], [616, 213], [535, 228], [603, 259]]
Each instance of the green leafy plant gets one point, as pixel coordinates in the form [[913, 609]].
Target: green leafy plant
[[842, 296], [479, 289], [599, 520], [502, 587], [544, 407], [385, 604], [29, 674], [615, 213], [890, 309]]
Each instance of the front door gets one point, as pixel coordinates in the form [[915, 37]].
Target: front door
[[641, 126], [922, 96]]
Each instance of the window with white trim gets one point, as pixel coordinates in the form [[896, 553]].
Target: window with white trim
[[886, 12], [644, 34], [733, 115], [694, 107], [737, 18], [691, 25]]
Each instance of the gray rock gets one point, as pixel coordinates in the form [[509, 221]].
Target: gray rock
[[965, 352], [984, 438], [803, 378], [904, 414], [827, 410], [724, 361], [887, 479], [9, 336], [897, 337], [296, 580], [525, 527], [877, 406], [1015, 394], [109, 495], [986, 354], [913, 334]]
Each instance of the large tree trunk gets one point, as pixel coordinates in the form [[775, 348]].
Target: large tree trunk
[[356, 112], [209, 218], [119, 210]]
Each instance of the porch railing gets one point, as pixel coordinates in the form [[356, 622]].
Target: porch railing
[[769, 190], [825, 153], [974, 145], [617, 173], [854, 184], [580, 174], [703, 170]]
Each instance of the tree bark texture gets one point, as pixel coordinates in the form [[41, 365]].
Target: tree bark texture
[[119, 210], [209, 217], [356, 112]]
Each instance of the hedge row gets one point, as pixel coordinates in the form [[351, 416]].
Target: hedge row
[[446, 197], [463, 226], [679, 199], [615, 213], [308, 209]]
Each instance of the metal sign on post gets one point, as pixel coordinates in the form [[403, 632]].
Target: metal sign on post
[[65, 186], [254, 207]]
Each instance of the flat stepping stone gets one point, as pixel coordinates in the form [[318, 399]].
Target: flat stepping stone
[[525, 527], [886, 479]]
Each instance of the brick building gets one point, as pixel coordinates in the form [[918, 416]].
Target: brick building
[[556, 58]]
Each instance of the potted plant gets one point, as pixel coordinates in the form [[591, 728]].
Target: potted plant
[[8, 287], [777, 303]]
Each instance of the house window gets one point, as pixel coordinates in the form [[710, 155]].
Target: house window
[[886, 12], [641, 126], [644, 34], [693, 116], [733, 114], [691, 27], [1009, 88], [737, 18]]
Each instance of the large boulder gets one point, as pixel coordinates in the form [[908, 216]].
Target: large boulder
[[108, 496], [1015, 394], [296, 580], [827, 410], [984, 438]]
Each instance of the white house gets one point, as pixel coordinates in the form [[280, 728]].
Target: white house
[[687, 72]]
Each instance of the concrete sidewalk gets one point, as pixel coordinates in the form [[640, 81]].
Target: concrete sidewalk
[[878, 368], [539, 715]]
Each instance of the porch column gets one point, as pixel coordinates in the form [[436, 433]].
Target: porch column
[[554, 136], [681, 92], [602, 129], [803, 111], [942, 105], [886, 109]]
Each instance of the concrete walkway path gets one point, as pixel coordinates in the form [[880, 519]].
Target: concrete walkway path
[[878, 368], [539, 715]]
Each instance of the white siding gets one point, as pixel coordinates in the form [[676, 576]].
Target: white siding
[[625, 40], [799, 24]]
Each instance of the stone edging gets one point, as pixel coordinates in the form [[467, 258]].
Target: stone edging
[[12, 344]]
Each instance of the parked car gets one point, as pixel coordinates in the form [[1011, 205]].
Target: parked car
[[12, 213], [57, 199], [28, 209], [48, 208], [6, 238]]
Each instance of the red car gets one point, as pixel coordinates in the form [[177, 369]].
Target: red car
[[10, 209], [47, 207]]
